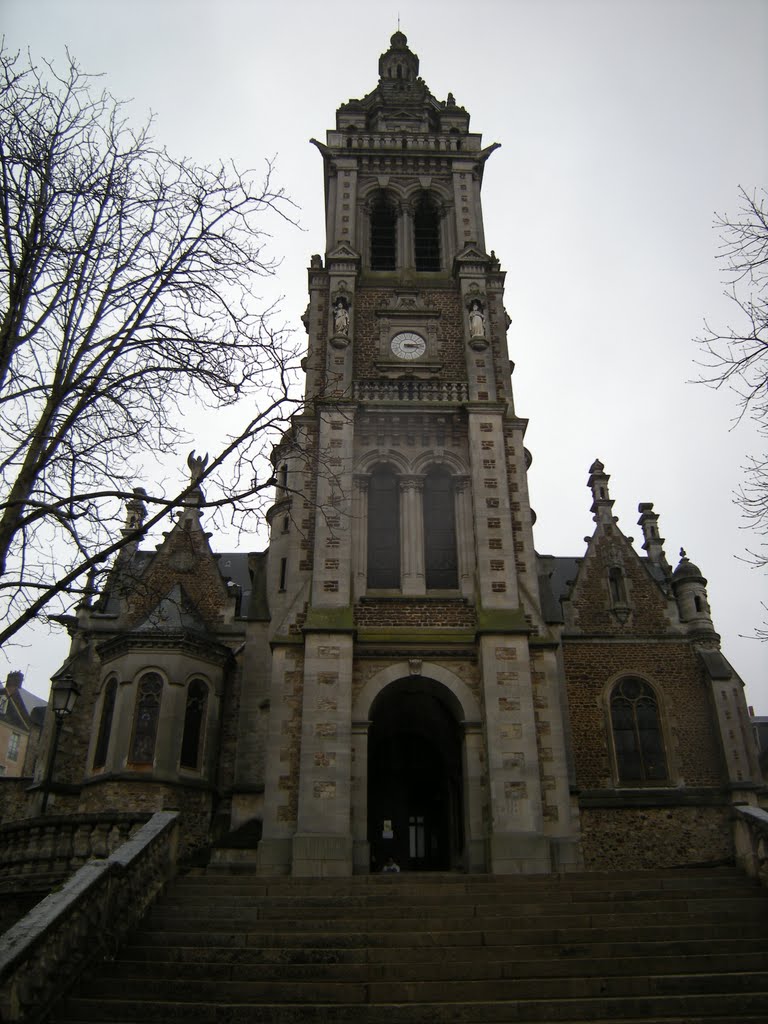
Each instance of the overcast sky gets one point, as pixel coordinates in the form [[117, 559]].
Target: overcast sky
[[624, 127]]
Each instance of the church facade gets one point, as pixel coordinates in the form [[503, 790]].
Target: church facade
[[401, 673]]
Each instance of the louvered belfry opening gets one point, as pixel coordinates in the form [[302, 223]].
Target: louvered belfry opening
[[383, 233], [426, 234]]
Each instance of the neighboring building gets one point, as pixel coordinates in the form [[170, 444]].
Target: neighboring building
[[21, 716], [401, 673], [760, 728]]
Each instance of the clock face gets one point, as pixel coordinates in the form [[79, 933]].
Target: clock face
[[407, 345]]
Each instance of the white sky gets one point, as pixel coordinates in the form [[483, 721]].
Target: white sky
[[624, 126]]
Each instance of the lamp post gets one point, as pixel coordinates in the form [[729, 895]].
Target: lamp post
[[64, 693]]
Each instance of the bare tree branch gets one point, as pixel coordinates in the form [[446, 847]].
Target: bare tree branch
[[737, 355], [127, 303]]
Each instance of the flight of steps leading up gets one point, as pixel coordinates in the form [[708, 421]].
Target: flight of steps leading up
[[441, 949]]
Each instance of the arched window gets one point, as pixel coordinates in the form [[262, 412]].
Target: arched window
[[440, 561], [145, 718], [426, 234], [383, 233], [105, 725], [383, 529], [637, 734], [194, 724]]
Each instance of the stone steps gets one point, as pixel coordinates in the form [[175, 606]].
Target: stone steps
[[229, 948]]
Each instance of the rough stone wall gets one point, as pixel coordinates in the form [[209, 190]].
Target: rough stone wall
[[195, 805], [694, 755], [14, 801], [430, 614], [450, 330], [183, 558], [591, 605], [626, 839]]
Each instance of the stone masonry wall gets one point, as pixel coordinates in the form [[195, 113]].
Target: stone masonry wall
[[626, 839], [450, 330], [694, 756]]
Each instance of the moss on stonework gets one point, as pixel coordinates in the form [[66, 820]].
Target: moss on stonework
[[330, 620], [502, 620], [410, 634]]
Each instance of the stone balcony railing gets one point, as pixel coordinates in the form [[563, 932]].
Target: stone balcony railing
[[751, 836], [44, 953], [405, 141], [56, 845], [446, 391]]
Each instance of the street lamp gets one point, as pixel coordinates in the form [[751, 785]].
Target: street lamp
[[64, 693]]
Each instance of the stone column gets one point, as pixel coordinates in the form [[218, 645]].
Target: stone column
[[464, 536], [359, 535], [361, 848], [412, 577], [474, 835], [322, 845]]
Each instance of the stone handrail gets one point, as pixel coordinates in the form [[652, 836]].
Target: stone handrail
[[751, 836], [44, 954], [404, 140], [411, 391], [57, 845]]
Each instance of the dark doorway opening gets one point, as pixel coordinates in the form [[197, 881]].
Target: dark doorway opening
[[415, 801]]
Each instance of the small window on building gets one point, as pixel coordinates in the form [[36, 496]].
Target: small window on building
[[13, 746], [383, 221], [145, 719], [426, 234], [383, 530], [637, 735], [283, 571], [440, 561], [105, 724], [194, 725], [618, 586]]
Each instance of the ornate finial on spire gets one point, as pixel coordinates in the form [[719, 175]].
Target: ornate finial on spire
[[601, 499], [682, 553], [653, 542], [135, 510]]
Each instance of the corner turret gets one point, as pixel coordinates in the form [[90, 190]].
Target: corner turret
[[690, 589]]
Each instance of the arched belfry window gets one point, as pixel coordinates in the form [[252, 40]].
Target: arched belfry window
[[440, 559], [383, 221], [194, 724], [105, 723], [383, 529], [637, 736], [146, 717], [426, 234]]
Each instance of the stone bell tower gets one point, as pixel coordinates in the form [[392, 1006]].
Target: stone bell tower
[[415, 707]]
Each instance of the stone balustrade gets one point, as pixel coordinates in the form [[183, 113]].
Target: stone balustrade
[[56, 845], [42, 955], [411, 391], [405, 140], [751, 840]]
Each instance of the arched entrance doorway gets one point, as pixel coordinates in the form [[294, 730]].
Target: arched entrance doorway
[[415, 795]]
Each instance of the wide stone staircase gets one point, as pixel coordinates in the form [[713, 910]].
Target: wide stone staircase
[[219, 948]]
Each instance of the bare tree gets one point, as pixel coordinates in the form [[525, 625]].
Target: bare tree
[[127, 311], [737, 355]]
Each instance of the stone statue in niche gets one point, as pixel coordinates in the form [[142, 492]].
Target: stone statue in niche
[[340, 318], [476, 320]]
